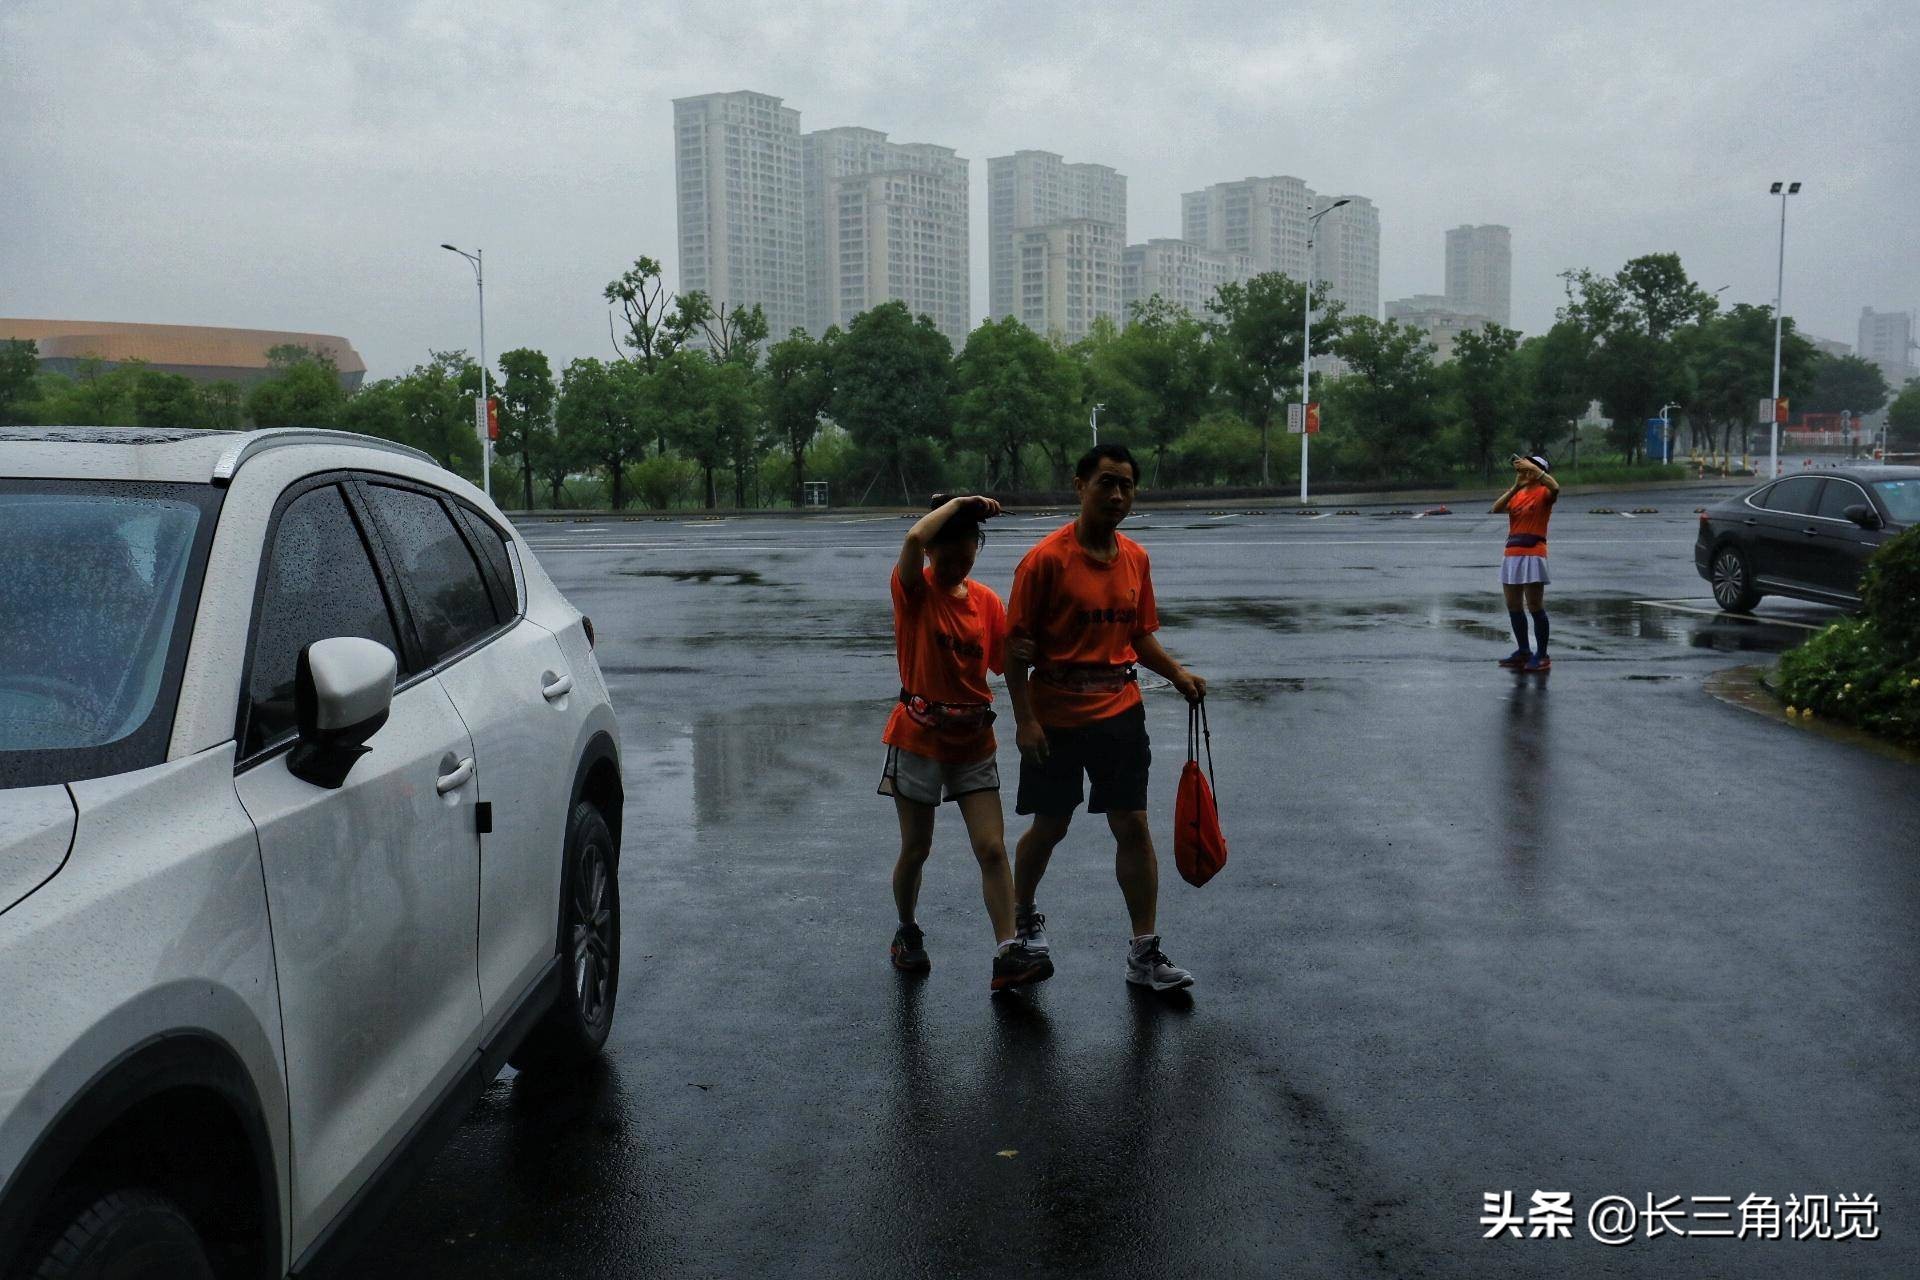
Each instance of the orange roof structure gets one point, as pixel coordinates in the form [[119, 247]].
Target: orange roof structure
[[182, 346]]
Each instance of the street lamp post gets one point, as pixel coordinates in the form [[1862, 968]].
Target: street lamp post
[[1094, 419], [1783, 190], [1666, 433], [1306, 342], [477, 259]]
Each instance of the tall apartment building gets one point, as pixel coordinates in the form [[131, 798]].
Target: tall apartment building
[[1480, 271], [1055, 232], [1180, 271], [1263, 218], [739, 192], [1346, 254], [1886, 338], [885, 220], [1266, 219]]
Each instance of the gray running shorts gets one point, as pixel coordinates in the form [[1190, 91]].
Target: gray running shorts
[[925, 780]]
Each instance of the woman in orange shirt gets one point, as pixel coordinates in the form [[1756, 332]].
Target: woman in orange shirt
[[1528, 504], [948, 632]]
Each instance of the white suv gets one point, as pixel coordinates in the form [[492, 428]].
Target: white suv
[[310, 813]]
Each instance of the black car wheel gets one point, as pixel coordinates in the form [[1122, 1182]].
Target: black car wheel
[[1732, 579], [574, 1030], [126, 1234]]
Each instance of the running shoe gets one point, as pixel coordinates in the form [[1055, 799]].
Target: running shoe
[[1517, 659], [1020, 966], [1148, 966], [910, 949], [1030, 929], [1539, 663]]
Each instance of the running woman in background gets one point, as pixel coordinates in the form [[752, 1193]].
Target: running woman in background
[[1523, 569], [948, 632], [1083, 601]]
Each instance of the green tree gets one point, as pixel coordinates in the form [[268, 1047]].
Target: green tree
[[1732, 359], [1636, 322], [19, 365], [96, 396], [1256, 328], [799, 394], [1847, 382], [1903, 419], [1014, 390], [303, 391], [437, 405], [164, 400], [222, 405], [527, 395], [1551, 390], [698, 400], [1486, 391], [1164, 361], [655, 327], [599, 409], [1386, 402], [728, 333], [1219, 449], [892, 374]]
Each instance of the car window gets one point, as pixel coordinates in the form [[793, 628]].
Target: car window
[[1799, 496], [493, 547], [1902, 499], [320, 584], [444, 588], [1838, 496]]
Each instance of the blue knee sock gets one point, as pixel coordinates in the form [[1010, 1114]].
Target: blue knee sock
[[1539, 632], [1519, 621]]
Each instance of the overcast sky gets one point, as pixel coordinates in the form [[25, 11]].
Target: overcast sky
[[296, 164]]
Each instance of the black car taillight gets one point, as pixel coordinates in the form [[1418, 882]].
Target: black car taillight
[[586, 625]]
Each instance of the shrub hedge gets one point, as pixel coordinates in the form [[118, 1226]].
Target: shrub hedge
[[1866, 671]]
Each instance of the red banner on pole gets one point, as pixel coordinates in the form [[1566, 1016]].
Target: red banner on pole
[[1313, 419], [493, 418]]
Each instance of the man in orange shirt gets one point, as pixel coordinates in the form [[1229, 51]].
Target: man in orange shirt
[[1528, 504], [1083, 606], [948, 632]]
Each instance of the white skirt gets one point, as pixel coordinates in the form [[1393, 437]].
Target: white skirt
[[1521, 571]]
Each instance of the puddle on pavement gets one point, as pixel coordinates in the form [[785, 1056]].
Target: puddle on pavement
[[726, 577], [1280, 615]]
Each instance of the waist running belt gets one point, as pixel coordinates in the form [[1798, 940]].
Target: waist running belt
[[1095, 677], [952, 717], [1525, 540]]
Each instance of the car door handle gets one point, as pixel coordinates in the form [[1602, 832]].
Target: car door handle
[[1749, 522], [558, 689], [1812, 531], [455, 780]]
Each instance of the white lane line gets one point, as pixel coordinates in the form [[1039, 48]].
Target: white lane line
[[868, 520], [1731, 617], [1421, 516], [589, 528], [1628, 514], [1322, 516], [1231, 515], [1204, 545], [1036, 519]]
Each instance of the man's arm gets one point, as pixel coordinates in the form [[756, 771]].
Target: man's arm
[[1157, 660], [1028, 735], [913, 548]]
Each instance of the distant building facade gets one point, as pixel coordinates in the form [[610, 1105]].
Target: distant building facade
[[1827, 346], [1055, 235], [885, 221], [1480, 271], [1185, 274], [739, 196], [1436, 317], [1886, 339], [1267, 220], [202, 353]]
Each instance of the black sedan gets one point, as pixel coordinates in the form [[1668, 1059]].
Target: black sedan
[[1807, 536]]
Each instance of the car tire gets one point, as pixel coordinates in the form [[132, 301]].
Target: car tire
[[1731, 575], [128, 1233], [573, 1031]]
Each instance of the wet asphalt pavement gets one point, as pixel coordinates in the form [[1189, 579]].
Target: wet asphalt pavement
[[1596, 932]]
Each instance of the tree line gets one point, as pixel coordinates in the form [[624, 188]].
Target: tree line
[[694, 404]]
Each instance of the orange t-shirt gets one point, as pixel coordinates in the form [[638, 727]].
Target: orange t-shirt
[[1081, 612], [1528, 512], [946, 645]]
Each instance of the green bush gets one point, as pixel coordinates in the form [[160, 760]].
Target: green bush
[[1890, 592], [1866, 671]]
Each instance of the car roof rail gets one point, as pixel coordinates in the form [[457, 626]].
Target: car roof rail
[[255, 443]]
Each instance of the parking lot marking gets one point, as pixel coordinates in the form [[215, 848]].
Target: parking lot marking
[[1627, 514], [1228, 516], [1690, 607]]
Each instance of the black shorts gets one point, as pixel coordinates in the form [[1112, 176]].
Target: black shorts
[[1113, 752]]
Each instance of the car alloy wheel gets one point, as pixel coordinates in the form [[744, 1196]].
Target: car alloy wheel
[[1732, 585], [593, 939]]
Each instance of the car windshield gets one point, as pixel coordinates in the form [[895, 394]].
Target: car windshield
[[1902, 499], [99, 583]]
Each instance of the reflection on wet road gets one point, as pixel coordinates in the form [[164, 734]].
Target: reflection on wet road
[[1594, 932]]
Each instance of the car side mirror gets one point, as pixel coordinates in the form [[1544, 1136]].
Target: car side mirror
[[342, 691], [1863, 515]]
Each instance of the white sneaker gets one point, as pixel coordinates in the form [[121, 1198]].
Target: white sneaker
[[1148, 966], [1030, 929]]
